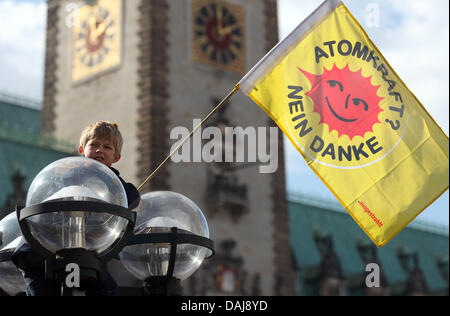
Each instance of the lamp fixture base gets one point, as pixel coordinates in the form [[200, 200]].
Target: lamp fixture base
[[91, 269], [162, 286]]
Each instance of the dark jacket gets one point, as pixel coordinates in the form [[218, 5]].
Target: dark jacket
[[133, 195]]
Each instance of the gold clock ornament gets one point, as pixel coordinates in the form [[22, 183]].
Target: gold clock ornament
[[218, 34], [96, 40]]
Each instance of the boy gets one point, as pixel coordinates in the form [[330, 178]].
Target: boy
[[101, 141]]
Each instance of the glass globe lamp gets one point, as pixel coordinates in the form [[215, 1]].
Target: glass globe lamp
[[10, 233], [76, 179], [76, 207], [11, 279], [171, 238]]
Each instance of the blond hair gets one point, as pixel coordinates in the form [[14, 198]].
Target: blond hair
[[102, 130]]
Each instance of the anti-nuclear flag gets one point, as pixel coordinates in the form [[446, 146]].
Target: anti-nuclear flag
[[357, 125]]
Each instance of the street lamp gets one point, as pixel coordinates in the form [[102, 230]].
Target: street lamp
[[11, 279], [76, 212], [170, 242]]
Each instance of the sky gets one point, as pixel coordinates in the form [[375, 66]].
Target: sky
[[413, 35]]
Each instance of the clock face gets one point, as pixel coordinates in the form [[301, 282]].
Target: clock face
[[96, 40], [218, 30]]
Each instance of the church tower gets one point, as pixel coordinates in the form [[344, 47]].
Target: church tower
[[153, 65]]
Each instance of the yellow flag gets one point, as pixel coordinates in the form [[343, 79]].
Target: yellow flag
[[355, 122]]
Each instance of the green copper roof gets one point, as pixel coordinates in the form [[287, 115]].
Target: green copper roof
[[17, 117], [29, 160], [307, 215], [21, 146]]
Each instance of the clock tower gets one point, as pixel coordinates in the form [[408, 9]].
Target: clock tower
[[152, 66]]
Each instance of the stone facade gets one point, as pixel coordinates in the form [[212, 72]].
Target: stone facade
[[112, 95], [153, 86], [49, 102]]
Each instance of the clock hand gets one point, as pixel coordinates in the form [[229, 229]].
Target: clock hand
[[92, 30], [104, 25], [97, 31], [228, 29], [101, 29], [219, 20]]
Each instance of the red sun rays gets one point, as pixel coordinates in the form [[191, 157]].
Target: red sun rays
[[346, 101]]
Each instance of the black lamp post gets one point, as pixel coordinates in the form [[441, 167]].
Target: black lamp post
[[92, 263], [164, 283], [76, 213]]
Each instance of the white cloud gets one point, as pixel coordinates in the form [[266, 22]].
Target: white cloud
[[22, 43], [421, 55]]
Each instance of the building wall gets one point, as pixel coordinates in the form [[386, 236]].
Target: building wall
[[158, 87], [110, 96], [193, 87]]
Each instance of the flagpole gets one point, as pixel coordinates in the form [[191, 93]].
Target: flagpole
[[217, 108]]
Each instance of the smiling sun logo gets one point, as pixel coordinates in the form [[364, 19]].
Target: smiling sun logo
[[345, 100]]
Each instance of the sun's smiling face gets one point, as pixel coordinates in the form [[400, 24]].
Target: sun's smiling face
[[346, 101]]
